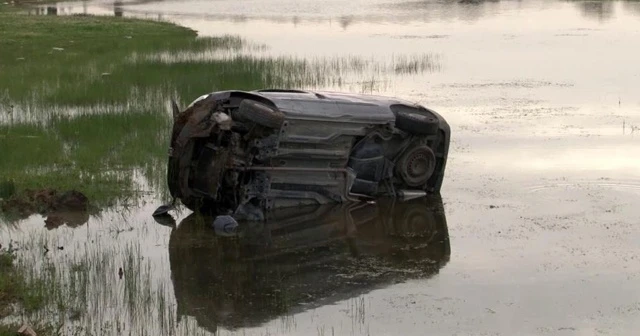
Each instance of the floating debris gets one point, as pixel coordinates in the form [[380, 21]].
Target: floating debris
[[225, 225]]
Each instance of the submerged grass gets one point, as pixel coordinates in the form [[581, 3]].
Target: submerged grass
[[25, 297], [57, 129], [14, 291], [96, 289], [91, 153]]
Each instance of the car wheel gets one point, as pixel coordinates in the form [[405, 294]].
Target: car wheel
[[260, 114], [417, 123], [417, 165]]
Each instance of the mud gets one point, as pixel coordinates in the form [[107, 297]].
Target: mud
[[59, 207]]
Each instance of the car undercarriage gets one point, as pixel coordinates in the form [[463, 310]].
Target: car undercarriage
[[248, 152]]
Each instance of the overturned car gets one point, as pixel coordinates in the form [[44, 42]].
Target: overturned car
[[250, 152]]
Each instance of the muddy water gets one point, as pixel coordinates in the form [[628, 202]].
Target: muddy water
[[541, 197]]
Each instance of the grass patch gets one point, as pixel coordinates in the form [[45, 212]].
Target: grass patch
[[87, 60], [98, 155], [16, 292], [9, 283], [40, 54], [26, 293], [13, 289]]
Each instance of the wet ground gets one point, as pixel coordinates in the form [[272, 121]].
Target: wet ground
[[539, 231]]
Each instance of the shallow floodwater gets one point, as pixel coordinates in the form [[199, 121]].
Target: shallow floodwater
[[539, 232]]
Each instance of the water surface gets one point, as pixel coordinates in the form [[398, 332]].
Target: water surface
[[540, 197]]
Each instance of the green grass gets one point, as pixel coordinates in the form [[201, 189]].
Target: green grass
[[88, 61], [9, 283], [28, 293], [14, 289], [94, 154], [30, 67], [64, 125]]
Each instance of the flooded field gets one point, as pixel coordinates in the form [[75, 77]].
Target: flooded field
[[536, 231]]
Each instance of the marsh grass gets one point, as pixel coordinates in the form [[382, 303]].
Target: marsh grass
[[82, 292], [95, 154], [18, 291]]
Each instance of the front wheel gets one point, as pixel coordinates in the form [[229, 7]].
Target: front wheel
[[417, 123], [260, 114]]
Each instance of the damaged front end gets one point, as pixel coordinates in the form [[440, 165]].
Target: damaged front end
[[248, 152]]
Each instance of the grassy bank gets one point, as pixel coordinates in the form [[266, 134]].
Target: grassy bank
[[58, 131]]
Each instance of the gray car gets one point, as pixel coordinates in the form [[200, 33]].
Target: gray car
[[246, 152]]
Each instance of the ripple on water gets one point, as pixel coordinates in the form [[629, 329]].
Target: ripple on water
[[628, 185]]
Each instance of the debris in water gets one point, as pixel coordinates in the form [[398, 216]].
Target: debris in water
[[225, 225], [166, 220], [249, 212], [164, 209], [58, 49], [104, 74]]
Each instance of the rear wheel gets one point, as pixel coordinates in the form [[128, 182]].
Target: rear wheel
[[260, 114], [417, 165]]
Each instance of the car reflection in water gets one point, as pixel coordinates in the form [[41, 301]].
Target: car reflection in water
[[303, 258]]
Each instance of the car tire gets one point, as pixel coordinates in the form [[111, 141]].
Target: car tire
[[260, 114], [418, 123]]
